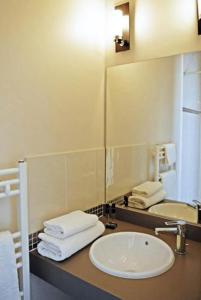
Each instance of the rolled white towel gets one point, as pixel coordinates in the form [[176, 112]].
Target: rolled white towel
[[58, 249], [147, 188], [69, 224], [141, 202]]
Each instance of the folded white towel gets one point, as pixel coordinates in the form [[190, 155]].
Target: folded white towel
[[141, 202], [69, 224], [9, 287], [169, 181], [147, 188], [170, 153], [58, 249]]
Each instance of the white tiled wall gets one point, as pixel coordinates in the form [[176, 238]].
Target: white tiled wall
[[64, 182], [130, 167]]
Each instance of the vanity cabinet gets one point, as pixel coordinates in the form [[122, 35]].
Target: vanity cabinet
[[80, 279]]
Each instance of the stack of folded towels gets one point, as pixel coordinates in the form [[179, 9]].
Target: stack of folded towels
[[65, 235], [146, 194]]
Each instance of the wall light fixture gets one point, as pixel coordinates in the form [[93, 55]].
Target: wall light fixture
[[199, 16], [121, 27]]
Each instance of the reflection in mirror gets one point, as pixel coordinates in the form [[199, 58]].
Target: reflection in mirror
[[153, 134]]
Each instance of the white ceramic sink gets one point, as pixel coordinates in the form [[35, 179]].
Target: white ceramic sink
[[131, 255], [175, 210]]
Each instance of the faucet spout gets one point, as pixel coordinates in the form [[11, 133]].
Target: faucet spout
[[180, 231], [165, 229]]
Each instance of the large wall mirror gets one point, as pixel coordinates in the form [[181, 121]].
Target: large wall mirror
[[151, 104]]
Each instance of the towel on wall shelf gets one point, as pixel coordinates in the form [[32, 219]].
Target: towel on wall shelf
[[69, 224], [170, 153], [138, 201], [9, 285], [147, 188], [60, 249]]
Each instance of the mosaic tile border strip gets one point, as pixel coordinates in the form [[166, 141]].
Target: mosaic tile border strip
[[33, 237], [33, 240], [97, 210]]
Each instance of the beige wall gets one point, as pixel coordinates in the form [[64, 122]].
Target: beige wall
[[158, 28], [142, 99], [52, 76], [52, 59]]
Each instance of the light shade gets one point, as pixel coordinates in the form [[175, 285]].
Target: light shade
[[118, 23]]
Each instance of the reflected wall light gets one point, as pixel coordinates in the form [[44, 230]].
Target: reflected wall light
[[121, 27], [199, 16]]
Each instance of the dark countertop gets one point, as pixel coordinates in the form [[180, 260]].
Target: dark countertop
[[79, 278]]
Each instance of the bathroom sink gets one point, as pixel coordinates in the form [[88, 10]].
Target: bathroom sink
[[131, 255], [175, 210]]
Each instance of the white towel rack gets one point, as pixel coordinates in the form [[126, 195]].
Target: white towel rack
[[198, 72], [18, 187], [191, 111], [159, 159], [159, 154]]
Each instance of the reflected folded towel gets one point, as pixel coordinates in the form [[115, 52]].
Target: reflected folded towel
[[170, 153], [9, 287], [69, 224], [58, 249], [169, 181], [147, 188], [141, 202]]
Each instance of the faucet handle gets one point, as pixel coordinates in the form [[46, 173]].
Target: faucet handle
[[179, 222]]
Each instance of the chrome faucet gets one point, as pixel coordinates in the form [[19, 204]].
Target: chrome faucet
[[197, 203], [180, 231], [198, 207]]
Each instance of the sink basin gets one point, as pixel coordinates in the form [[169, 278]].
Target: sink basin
[[175, 210], [131, 255]]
